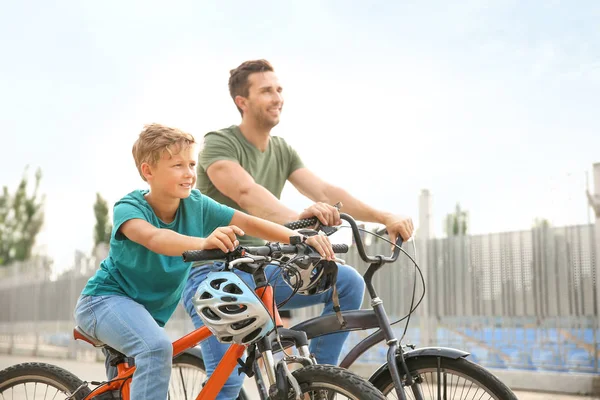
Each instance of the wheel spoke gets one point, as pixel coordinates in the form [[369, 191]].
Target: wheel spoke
[[452, 380], [186, 379]]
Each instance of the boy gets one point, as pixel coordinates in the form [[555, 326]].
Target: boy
[[137, 288]]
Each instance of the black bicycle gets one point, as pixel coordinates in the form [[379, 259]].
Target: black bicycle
[[419, 374]]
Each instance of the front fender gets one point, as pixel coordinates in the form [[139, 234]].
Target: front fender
[[193, 351], [444, 352]]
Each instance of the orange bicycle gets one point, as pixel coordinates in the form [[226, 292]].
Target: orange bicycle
[[311, 381]]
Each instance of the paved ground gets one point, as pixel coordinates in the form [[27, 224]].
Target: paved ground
[[89, 370]]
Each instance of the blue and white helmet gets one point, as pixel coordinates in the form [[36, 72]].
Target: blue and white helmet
[[231, 310]]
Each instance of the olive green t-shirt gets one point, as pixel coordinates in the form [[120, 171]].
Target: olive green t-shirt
[[269, 169]]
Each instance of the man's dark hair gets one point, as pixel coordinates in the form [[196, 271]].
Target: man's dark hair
[[238, 77]]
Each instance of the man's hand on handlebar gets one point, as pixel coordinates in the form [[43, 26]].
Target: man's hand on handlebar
[[326, 214], [399, 225]]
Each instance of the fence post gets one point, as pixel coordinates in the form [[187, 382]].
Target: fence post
[[72, 354], [424, 234], [594, 203], [597, 213]]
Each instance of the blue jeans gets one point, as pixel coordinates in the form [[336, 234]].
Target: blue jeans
[[326, 349], [128, 327]]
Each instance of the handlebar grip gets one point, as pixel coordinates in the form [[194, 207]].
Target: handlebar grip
[[203, 255], [396, 251], [303, 223], [340, 248]]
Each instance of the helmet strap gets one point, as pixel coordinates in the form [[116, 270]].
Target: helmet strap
[[336, 303]]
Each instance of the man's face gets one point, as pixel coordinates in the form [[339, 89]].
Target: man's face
[[265, 101]]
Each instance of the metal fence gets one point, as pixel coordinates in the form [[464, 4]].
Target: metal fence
[[520, 300]]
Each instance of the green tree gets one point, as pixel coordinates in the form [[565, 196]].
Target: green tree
[[457, 222], [21, 219], [541, 223], [103, 228]]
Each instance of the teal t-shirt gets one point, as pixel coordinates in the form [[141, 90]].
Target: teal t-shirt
[[153, 280]]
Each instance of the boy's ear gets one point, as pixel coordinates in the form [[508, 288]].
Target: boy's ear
[[146, 171]]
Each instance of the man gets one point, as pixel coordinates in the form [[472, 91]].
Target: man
[[246, 168]]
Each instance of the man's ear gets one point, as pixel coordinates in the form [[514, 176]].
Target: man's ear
[[240, 102], [146, 171]]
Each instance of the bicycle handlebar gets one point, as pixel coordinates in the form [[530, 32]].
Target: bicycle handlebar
[[267, 250], [302, 223], [361, 248], [305, 223]]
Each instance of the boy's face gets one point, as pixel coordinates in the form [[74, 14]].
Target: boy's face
[[174, 176]]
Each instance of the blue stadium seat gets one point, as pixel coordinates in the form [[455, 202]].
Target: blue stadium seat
[[580, 360], [493, 360], [549, 360], [521, 360], [473, 358]]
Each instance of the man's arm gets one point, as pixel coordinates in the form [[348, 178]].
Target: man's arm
[[234, 182], [318, 190]]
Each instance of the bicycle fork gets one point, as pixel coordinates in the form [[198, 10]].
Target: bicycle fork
[[392, 342], [279, 376]]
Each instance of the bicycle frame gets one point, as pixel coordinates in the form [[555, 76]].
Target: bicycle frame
[[376, 318], [215, 383], [358, 321]]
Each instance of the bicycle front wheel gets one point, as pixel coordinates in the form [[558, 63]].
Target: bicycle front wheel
[[457, 379], [39, 381], [188, 375], [329, 382]]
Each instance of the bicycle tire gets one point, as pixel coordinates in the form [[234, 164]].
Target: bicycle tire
[[462, 375], [14, 381], [327, 379], [188, 375]]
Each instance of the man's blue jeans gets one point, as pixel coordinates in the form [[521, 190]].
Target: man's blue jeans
[[128, 327], [326, 349]]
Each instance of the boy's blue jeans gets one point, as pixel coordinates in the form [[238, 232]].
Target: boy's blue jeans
[[327, 349], [127, 327]]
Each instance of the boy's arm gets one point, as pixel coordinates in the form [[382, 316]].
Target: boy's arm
[[278, 233], [170, 243]]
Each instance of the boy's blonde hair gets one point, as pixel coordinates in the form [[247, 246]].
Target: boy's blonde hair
[[154, 140]]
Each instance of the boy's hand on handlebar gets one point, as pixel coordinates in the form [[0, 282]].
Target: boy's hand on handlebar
[[322, 245], [399, 225], [223, 238], [326, 214]]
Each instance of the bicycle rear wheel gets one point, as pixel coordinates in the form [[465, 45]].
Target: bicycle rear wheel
[[329, 382], [457, 379], [39, 381]]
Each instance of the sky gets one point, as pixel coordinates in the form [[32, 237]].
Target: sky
[[485, 103]]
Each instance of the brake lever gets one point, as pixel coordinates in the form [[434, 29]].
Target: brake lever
[[328, 230], [249, 263]]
